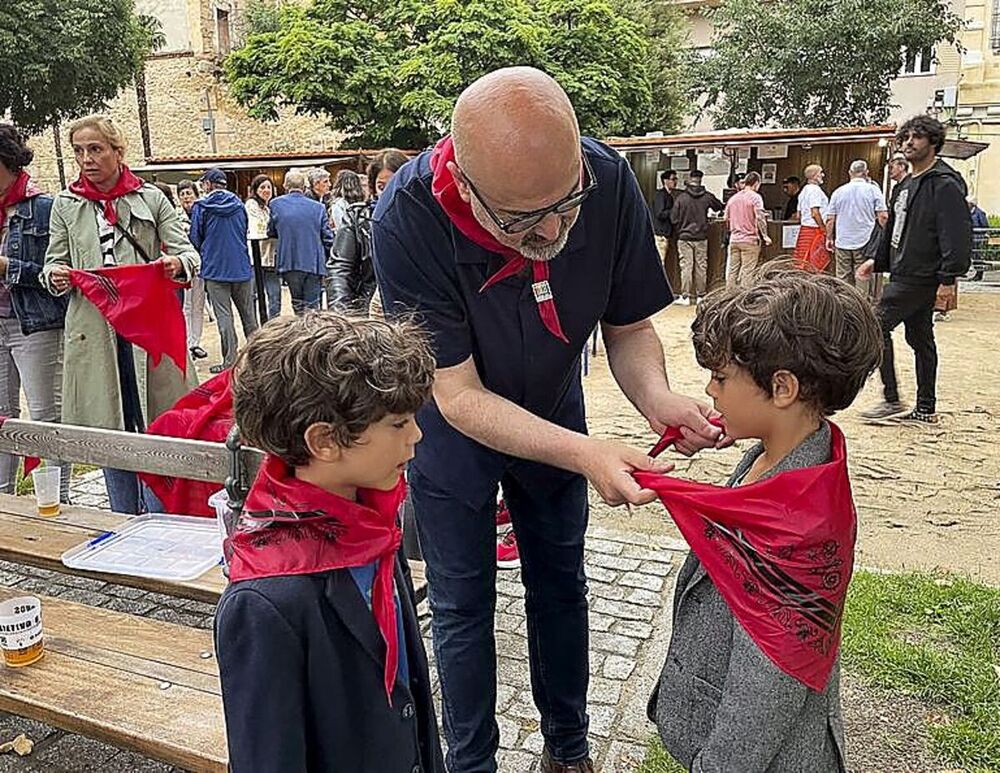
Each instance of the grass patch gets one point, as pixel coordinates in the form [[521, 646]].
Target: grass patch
[[658, 761], [934, 637]]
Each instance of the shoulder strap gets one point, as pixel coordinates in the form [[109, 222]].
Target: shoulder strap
[[130, 239]]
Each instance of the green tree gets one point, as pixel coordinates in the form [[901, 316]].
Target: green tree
[[388, 72], [814, 62], [671, 63], [154, 40], [601, 58], [62, 58]]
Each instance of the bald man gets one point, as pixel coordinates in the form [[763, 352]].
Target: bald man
[[512, 240]]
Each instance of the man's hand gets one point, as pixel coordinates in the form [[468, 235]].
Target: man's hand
[[829, 244], [609, 466], [865, 270], [172, 266], [945, 294], [692, 417], [59, 279]]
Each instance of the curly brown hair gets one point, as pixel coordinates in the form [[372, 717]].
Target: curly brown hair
[[325, 367], [815, 326]]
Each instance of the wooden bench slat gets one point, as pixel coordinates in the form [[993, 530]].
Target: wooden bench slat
[[81, 687], [40, 542], [174, 457], [30, 539]]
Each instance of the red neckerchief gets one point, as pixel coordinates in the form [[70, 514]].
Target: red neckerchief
[[204, 413], [781, 553], [460, 213], [127, 183], [21, 190], [290, 527], [140, 302]]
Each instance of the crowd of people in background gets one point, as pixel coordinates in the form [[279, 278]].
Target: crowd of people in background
[[922, 237], [56, 346]]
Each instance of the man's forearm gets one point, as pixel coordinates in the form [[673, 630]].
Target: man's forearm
[[635, 355], [499, 424]]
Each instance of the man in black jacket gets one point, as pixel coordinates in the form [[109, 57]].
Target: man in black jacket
[[663, 202], [929, 246]]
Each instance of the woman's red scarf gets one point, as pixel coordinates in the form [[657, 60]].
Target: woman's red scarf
[[810, 249], [781, 553], [21, 190], [290, 527], [127, 183], [460, 213]]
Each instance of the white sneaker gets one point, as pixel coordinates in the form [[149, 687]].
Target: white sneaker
[[682, 301]]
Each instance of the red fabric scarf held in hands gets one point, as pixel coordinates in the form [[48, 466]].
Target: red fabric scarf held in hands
[[141, 304], [127, 183], [21, 190], [781, 553], [204, 413], [290, 527], [460, 213]]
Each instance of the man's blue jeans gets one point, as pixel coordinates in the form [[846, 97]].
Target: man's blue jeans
[[459, 547], [306, 290]]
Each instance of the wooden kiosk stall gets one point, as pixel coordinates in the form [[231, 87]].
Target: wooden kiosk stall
[[773, 153], [242, 168]]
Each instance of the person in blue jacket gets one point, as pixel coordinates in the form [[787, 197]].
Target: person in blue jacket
[[219, 233], [305, 239], [31, 318]]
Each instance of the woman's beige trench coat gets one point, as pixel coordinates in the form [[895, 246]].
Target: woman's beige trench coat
[[91, 394]]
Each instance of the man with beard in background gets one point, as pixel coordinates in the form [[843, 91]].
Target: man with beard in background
[[510, 273]]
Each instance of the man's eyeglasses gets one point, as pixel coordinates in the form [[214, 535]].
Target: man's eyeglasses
[[529, 220]]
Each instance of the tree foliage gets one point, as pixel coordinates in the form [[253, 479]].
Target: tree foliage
[[62, 58], [813, 62], [671, 63], [388, 72]]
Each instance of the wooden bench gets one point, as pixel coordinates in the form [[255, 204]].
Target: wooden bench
[[140, 684], [32, 540]]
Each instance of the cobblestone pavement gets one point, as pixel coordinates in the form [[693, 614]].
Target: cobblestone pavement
[[629, 623]]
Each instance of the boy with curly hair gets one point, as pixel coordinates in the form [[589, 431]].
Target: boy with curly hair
[[751, 678], [320, 654]]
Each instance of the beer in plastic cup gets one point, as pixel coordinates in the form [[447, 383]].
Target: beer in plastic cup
[[47, 480], [21, 631]]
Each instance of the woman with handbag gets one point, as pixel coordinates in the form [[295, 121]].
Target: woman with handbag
[[109, 217], [258, 215]]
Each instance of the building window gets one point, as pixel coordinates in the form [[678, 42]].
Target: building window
[[919, 62], [995, 27], [222, 31]]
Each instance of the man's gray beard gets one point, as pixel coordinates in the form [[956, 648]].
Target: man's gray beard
[[543, 253]]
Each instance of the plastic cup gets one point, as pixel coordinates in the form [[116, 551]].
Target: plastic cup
[[21, 631], [47, 480]]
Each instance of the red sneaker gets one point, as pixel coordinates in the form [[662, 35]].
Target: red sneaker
[[503, 517], [507, 555]]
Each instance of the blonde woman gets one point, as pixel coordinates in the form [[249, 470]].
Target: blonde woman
[[109, 217]]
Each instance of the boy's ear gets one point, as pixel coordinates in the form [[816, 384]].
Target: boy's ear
[[784, 388], [321, 443]]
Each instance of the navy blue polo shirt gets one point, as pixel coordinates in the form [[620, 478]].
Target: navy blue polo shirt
[[609, 271]]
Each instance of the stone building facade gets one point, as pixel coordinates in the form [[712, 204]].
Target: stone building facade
[[190, 111]]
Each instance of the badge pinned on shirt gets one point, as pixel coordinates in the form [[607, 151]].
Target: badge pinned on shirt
[[542, 291]]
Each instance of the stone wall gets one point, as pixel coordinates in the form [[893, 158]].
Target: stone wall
[[179, 89]]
